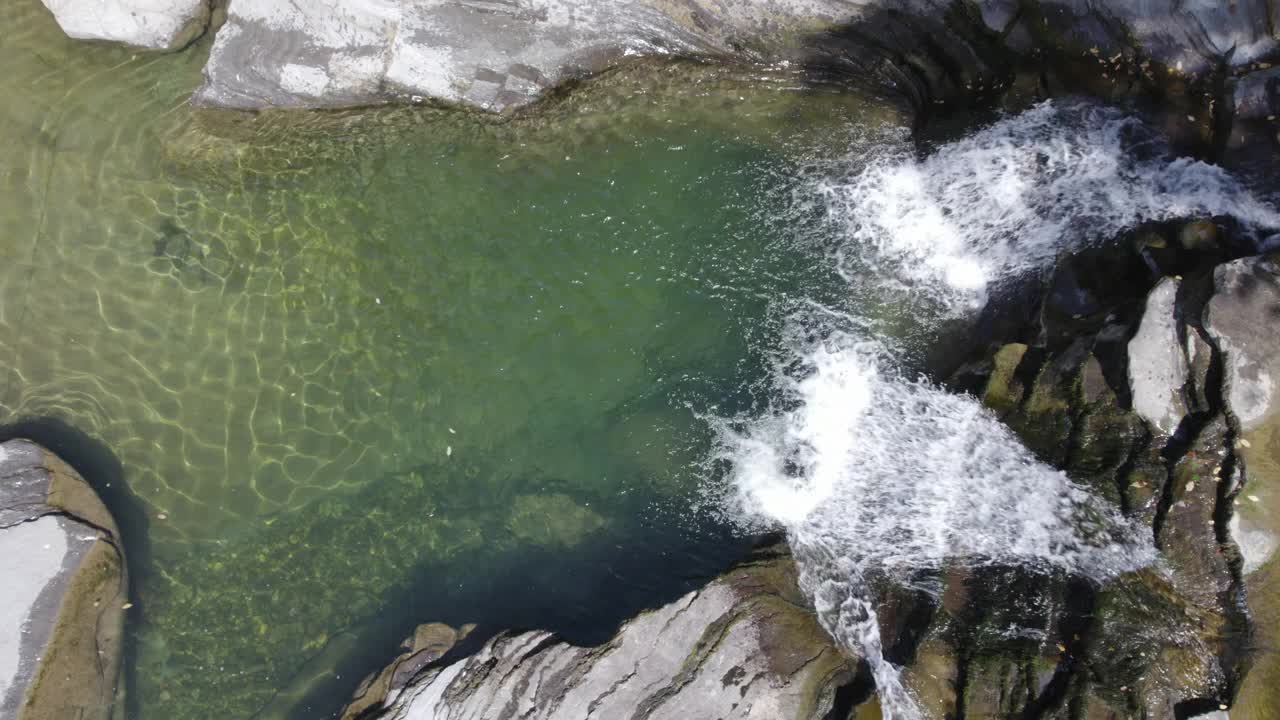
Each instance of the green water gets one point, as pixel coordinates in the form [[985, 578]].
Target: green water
[[367, 369]]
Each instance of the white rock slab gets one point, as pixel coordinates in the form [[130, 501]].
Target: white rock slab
[[1157, 363], [152, 24], [32, 556]]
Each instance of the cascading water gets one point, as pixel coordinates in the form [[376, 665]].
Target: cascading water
[[876, 474]]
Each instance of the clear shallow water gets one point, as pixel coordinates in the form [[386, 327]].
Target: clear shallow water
[[364, 370]]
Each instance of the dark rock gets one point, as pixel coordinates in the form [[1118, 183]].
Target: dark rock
[[1200, 236], [1240, 319]]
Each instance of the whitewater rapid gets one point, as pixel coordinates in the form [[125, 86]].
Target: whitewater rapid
[[876, 473]]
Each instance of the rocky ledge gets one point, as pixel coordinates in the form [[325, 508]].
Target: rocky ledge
[[501, 54], [62, 612], [1145, 370], [146, 24], [744, 646]]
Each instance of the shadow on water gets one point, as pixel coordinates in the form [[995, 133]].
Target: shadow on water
[[948, 70], [582, 594], [100, 467]]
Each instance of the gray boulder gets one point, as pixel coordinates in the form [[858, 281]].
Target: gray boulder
[[1241, 318], [500, 54], [744, 646], [490, 54], [62, 612], [1187, 37], [150, 24], [1257, 95], [1158, 361]]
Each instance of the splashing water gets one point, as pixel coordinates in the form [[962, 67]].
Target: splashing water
[[876, 474], [1007, 199]]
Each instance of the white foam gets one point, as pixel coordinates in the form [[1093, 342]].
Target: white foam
[[876, 473], [1007, 199]]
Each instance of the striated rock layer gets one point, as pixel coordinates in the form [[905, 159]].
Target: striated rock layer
[[745, 646], [65, 589]]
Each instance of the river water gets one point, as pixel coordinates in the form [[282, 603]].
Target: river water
[[350, 372], [341, 373]]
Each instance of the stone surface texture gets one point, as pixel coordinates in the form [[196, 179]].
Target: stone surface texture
[[1241, 317], [744, 646], [1257, 95], [1158, 361], [1185, 35], [150, 24], [500, 54], [490, 54], [65, 586]]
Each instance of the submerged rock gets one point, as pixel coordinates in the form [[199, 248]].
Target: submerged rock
[[150, 24], [66, 592], [552, 520], [745, 646]]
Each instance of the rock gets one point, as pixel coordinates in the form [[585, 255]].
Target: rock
[[490, 54], [552, 520], [429, 643], [1186, 37], [150, 24], [1187, 535], [1004, 390], [1157, 363], [745, 646], [1240, 319], [1259, 695], [1199, 236], [1257, 95], [1105, 436], [66, 587], [1150, 649]]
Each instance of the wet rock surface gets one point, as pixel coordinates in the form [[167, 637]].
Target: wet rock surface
[[149, 24], [1157, 363], [744, 646], [1241, 320], [1167, 428], [66, 584]]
